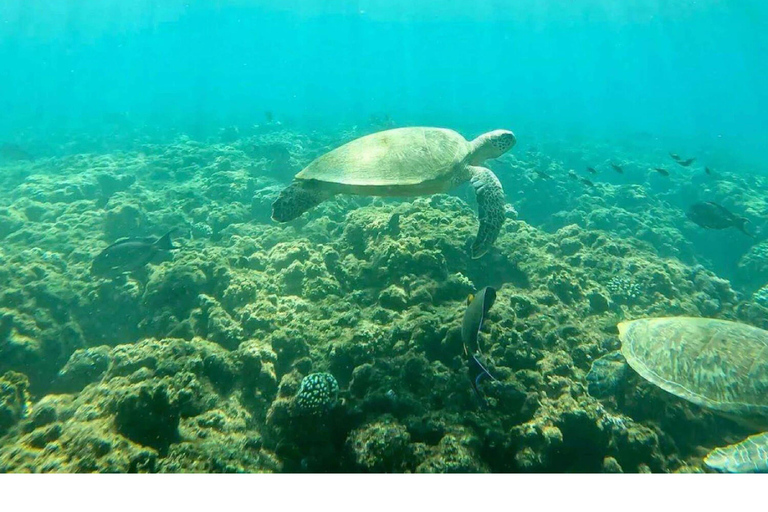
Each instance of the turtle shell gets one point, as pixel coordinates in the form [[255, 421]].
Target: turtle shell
[[401, 157], [717, 364]]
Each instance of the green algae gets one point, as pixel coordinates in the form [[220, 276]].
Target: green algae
[[212, 344]]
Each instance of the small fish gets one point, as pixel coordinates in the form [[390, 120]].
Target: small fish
[[617, 168], [586, 182], [477, 307], [708, 171], [591, 170], [542, 174], [710, 215], [14, 152], [572, 174], [102, 201], [269, 116], [686, 163], [393, 225], [661, 171], [474, 316], [675, 156], [129, 254]]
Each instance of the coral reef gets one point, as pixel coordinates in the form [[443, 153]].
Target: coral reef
[[333, 343], [317, 394]]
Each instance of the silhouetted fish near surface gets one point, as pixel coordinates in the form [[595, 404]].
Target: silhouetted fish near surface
[[128, 254], [474, 316], [617, 168], [711, 215], [591, 170], [661, 171], [686, 163], [14, 152], [675, 156]]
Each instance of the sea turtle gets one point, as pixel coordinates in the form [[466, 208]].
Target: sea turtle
[[405, 162], [716, 364]]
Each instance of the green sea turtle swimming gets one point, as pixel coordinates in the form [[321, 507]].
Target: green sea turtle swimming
[[716, 364], [405, 162]]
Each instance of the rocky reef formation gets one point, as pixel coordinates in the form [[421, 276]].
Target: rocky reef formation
[[332, 343]]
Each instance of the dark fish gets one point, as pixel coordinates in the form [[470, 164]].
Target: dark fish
[[675, 156], [393, 226], [542, 174], [686, 163], [617, 168], [478, 306], [269, 116], [708, 171], [591, 170], [661, 171], [586, 182], [573, 175], [129, 254], [711, 215], [14, 152], [102, 201]]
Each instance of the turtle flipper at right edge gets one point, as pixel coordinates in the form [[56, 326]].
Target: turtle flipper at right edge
[[748, 456], [490, 209]]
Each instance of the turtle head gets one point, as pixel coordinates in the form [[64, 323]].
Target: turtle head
[[491, 145]]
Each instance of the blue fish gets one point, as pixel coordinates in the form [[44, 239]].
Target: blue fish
[[474, 316]]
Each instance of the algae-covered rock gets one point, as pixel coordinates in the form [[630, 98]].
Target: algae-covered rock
[[175, 287], [84, 366], [454, 453], [753, 266], [381, 447], [393, 298], [196, 363], [150, 411], [148, 416], [14, 399], [10, 221], [124, 220], [217, 325]]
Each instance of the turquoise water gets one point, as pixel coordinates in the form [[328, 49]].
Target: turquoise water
[[682, 71], [212, 261]]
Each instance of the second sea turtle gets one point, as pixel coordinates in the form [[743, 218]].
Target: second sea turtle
[[717, 364]]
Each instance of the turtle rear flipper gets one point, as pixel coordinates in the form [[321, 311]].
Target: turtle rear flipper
[[296, 199], [748, 456], [490, 208], [607, 376]]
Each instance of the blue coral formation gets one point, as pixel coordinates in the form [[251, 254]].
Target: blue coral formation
[[318, 393], [761, 296], [624, 290]]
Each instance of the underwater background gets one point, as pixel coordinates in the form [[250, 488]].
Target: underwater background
[[333, 342]]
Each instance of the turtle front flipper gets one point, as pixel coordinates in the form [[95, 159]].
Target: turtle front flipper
[[748, 456], [490, 208], [295, 199]]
